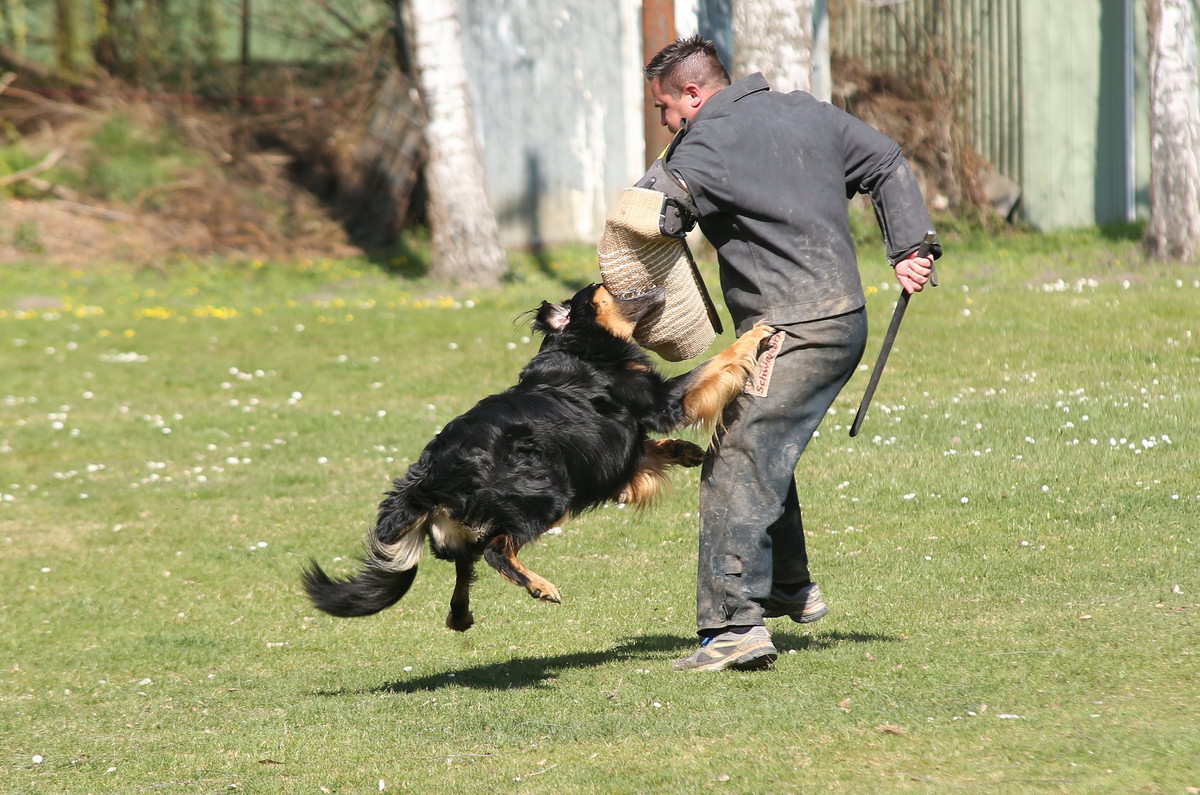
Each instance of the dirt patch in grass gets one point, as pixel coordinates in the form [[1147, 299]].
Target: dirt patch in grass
[[131, 182]]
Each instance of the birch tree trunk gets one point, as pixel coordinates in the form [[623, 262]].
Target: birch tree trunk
[[465, 236], [774, 37], [1173, 231]]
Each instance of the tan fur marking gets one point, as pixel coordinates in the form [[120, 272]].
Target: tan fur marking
[[404, 552], [609, 315], [650, 481], [723, 377], [537, 585]]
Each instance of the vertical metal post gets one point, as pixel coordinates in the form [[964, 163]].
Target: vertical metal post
[[658, 30], [1127, 22], [244, 72], [822, 82]]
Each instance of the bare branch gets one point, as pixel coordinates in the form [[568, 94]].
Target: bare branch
[[355, 31], [48, 162]]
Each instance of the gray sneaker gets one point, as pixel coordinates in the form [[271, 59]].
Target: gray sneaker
[[742, 652], [803, 605]]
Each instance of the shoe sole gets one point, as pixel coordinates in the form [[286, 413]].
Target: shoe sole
[[751, 661], [808, 619], [801, 618], [756, 663]]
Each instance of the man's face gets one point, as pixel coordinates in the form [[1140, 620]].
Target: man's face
[[672, 109]]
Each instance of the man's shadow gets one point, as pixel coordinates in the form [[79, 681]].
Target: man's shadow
[[524, 672]]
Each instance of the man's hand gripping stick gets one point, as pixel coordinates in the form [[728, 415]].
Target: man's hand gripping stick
[[890, 337]]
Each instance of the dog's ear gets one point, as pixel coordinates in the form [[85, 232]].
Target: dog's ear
[[552, 317]]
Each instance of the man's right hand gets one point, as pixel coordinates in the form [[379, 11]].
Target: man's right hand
[[913, 272]]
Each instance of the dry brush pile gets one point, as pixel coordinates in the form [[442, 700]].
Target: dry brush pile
[[112, 174]]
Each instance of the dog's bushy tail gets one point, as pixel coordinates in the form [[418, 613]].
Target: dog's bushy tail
[[367, 593], [388, 567]]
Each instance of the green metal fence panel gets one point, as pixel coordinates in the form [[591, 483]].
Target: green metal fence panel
[[981, 37], [1059, 93], [280, 31]]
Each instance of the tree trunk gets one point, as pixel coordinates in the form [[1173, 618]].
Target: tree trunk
[[465, 236], [104, 48], [66, 35], [1173, 231], [774, 37], [13, 14]]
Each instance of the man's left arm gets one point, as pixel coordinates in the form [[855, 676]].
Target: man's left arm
[[876, 166]]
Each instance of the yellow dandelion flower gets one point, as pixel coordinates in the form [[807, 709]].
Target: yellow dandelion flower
[[156, 312]]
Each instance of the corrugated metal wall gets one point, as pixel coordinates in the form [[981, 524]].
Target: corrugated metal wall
[[984, 34], [558, 105], [1059, 99]]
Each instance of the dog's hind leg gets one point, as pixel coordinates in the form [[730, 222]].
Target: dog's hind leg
[[677, 452], [460, 618], [650, 479], [501, 555]]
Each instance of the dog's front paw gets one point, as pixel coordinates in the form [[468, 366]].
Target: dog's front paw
[[759, 332], [751, 341]]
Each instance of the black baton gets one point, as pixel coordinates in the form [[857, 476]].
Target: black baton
[[890, 337]]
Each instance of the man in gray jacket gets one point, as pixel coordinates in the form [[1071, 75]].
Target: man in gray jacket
[[770, 175]]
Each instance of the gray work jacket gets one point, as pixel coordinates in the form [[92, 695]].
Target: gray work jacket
[[771, 175]]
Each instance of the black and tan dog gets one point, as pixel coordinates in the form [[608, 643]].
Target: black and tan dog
[[572, 434]]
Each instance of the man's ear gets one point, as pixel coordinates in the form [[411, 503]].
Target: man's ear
[[695, 97]]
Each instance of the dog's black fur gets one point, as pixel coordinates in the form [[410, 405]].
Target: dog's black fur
[[571, 434]]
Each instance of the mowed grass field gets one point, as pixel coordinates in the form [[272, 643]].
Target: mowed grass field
[[1010, 547]]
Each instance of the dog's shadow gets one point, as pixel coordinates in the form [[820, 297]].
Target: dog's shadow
[[525, 672]]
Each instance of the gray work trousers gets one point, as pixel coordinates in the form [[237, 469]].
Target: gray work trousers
[[751, 531]]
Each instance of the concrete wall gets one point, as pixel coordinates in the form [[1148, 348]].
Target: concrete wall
[[558, 93]]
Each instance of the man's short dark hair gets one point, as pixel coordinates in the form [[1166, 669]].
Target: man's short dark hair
[[690, 60]]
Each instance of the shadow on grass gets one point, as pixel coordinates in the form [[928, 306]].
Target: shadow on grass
[[524, 672], [787, 641], [1123, 230]]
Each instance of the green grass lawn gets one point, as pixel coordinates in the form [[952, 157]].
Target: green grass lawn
[[1009, 548]]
